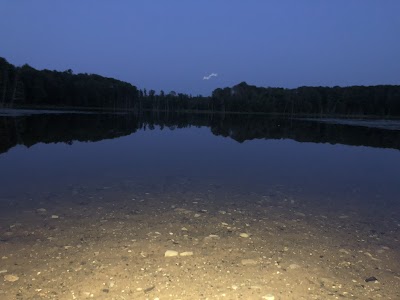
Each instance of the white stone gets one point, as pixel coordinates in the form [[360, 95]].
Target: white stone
[[294, 266], [300, 214], [54, 217], [186, 253], [249, 262], [244, 235], [171, 253], [10, 277]]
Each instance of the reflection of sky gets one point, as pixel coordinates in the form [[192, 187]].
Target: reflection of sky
[[383, 124], [197, 154]]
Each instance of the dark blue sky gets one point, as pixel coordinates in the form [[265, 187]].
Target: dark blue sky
[[172, 45]]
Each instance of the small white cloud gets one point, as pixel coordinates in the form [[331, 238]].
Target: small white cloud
[[210, 76]]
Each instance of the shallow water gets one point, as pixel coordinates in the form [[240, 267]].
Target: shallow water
[[89, 204]]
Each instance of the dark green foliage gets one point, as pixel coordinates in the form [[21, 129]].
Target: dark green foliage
[[26, 86], [382, 100]]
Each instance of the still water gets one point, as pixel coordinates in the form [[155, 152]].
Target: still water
[[287, 208]]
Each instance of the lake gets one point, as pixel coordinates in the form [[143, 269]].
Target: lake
[[198, 206]]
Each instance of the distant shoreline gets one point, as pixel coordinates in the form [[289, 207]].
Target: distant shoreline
[[26, 87], [95, 110]]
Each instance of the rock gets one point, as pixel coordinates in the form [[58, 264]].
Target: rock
[[171, 253], [41, 210], [3, 271], [211, 237], [370, 255], [255, 287], [54, 217], [182, 211], [372, 278], [268, 297], [187, 253], [249, 262], [244, 235], [300, 214], [10, 277], [294, 266], [149, 289]]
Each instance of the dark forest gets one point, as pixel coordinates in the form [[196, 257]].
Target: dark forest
[[30, 88]]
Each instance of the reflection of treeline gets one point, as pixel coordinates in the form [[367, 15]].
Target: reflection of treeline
[[25, 86], [66, 128]]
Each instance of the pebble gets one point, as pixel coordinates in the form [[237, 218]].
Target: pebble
[[54, 217], [294, 266], [372, 278], [249, 262], [370, 255], [244, 235], [41, 210], [171, 253], [300, 214], [3, 271], [187, 253], [268, 297], [211, 237], [10, 277]]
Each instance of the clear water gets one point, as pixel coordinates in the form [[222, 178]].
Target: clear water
[[317, 169], [45, 153]]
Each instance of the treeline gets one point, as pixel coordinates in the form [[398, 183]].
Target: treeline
[[383, 100], [26, 86]]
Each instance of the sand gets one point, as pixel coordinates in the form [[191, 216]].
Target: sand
[[110, 242]]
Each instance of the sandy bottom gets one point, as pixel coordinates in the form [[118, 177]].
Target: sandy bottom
[[110, 243]]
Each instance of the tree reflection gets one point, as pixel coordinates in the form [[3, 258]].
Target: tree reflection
[[68, 128]]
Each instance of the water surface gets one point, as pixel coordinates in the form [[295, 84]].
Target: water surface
[[312, 196]]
